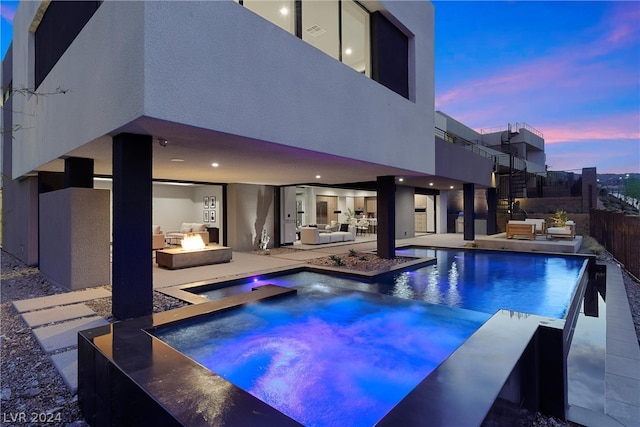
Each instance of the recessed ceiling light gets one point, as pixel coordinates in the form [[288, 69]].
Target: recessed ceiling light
[[318, 177], [177, 160], [348, 51], [401, 179], [431, 184], [284, 11], [451, 187], [215, 165]]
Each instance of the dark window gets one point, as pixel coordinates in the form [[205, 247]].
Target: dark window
[[60, 25], [389, 55]]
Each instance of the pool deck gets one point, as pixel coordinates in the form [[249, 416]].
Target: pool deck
[[622, 371]]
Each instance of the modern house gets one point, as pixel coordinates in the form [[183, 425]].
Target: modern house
[[246, 115]]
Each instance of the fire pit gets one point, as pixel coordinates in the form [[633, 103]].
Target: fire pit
[[193, 252]]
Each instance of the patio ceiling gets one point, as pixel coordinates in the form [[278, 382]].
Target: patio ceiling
[[190, 152]]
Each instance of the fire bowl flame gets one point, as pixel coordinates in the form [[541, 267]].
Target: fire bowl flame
[[192, 242]]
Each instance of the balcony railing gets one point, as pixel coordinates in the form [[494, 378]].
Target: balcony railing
[[517, 126], [456, 140]]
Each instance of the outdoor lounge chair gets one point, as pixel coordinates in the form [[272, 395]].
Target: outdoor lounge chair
[[521, 228], [568, 230]]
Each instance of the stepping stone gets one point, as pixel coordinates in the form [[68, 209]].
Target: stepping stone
[[62, 335], [60, 299], [67, 365], [56, 314]]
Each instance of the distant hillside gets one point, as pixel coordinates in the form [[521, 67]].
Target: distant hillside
[[614, 204]]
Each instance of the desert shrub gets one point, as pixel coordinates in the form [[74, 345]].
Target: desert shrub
[[336, 260]]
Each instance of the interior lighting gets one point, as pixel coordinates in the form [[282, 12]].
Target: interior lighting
[[431, 184], [401, 179], [163, 142], [215, 164], [177, 160], [451, 187], [348, 51], [284, 11], [318, 177]]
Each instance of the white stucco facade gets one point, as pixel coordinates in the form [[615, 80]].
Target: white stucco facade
[[229, 71]]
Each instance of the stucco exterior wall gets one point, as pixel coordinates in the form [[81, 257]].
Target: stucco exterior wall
[[405, 213], [250, 208], [74, 237], [246, 76], [102, 72], [456, 162], [20, 219]]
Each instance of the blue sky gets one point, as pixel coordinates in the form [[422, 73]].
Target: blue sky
[[569, 69]]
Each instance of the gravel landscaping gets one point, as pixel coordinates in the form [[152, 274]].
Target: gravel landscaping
[[33, 393]]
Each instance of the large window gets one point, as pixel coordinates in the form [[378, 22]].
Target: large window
[[339, 28], [61, 23], [280, 12], [355, 37], [320, 26]]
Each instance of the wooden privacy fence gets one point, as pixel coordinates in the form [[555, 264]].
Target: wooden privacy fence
[[620, 235]]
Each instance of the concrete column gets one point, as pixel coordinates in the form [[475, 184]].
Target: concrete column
[[386, 217], [78, 172], [492, 210], [132, 277], [469, 212]]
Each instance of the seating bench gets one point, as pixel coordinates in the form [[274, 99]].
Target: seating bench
[[521, 229]]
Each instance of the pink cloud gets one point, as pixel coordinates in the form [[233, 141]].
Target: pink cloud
[[610, 127], [624, 23], [609, 157], [561, 77], [8, 11]]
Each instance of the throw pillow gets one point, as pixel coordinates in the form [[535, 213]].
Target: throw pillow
[[185, 228], [344, 227]]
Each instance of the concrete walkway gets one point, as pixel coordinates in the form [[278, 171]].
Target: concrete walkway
[[56, 320]]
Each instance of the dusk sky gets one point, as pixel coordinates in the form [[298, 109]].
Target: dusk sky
[[569, 69]]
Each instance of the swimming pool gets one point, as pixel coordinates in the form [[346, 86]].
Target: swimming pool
[[484, 281], [513, 365], [327, 355]]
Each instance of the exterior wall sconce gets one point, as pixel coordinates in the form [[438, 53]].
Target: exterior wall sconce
[[163, 142]]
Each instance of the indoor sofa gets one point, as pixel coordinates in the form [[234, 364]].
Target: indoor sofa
[[317, 236], [188, 228]]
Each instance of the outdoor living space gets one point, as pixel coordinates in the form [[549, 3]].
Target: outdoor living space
[[539, 243]]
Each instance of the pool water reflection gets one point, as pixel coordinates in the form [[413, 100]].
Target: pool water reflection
[[327, 355], [475, 280]]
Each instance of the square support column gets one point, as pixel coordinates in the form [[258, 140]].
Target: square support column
[[78, 172], [469, 212], [386, 206], [492, 211], [132, 269]]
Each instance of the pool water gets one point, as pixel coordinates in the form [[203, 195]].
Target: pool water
[[475, 280], [327, 356]]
